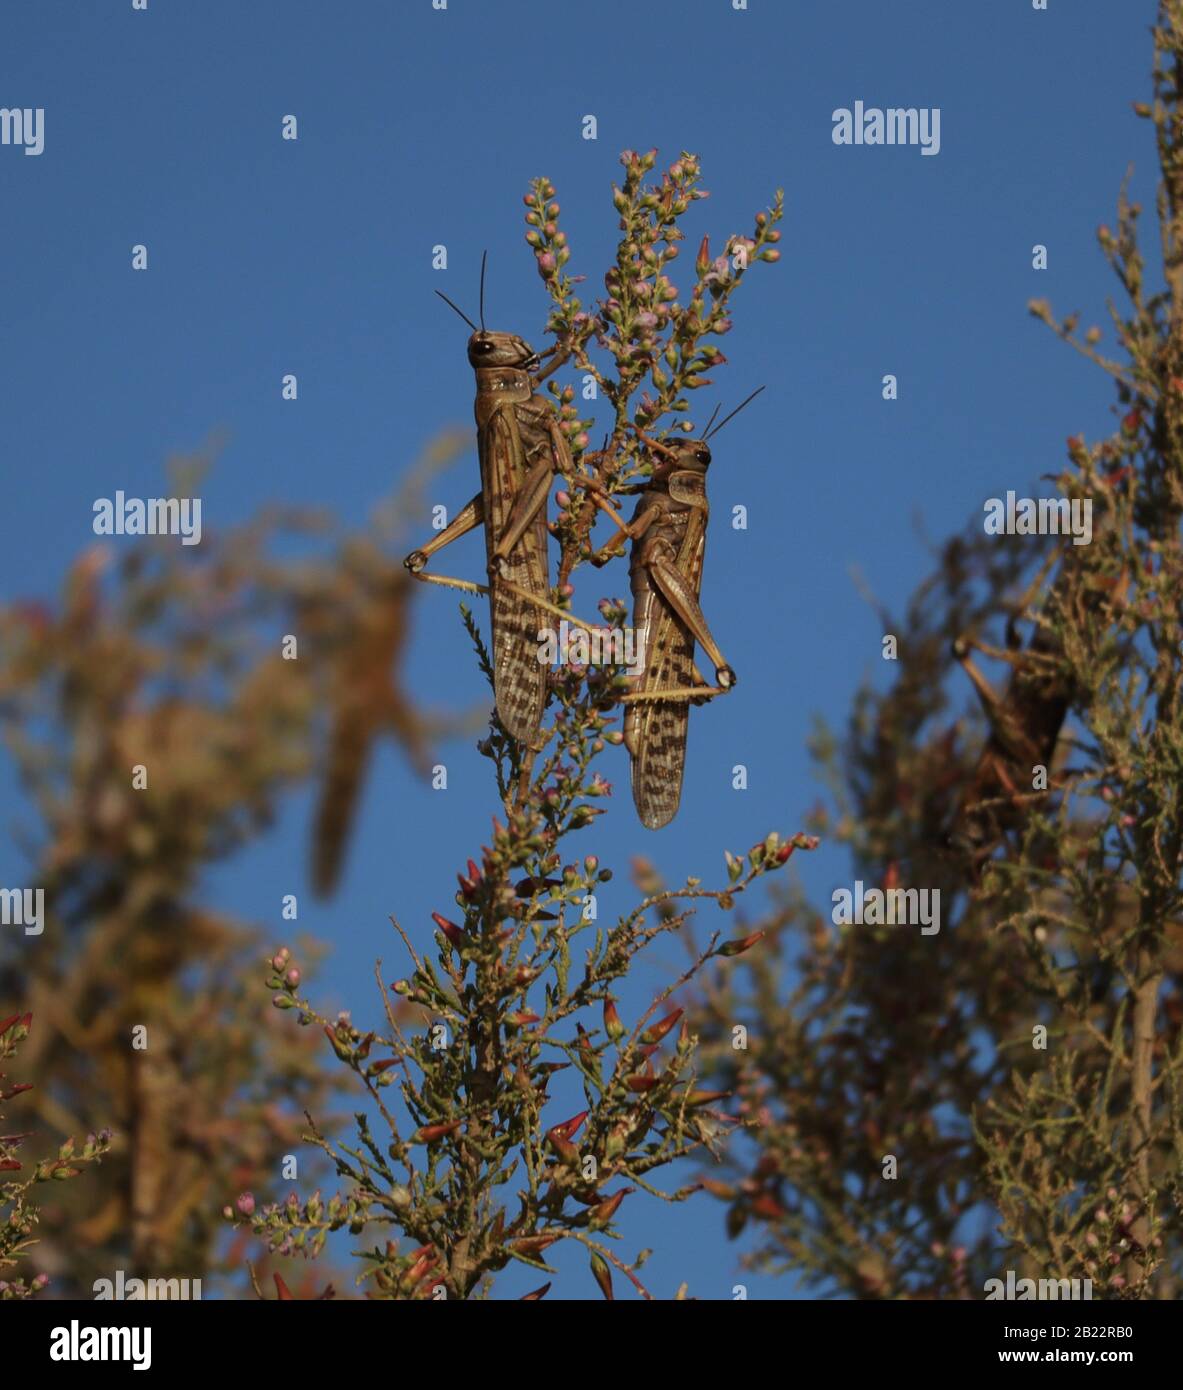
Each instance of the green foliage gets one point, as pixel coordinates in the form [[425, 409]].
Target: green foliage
[[19, 1207], [520, 984]]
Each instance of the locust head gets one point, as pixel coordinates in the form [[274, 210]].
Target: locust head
[[487, 348], [681, 469], [680, 466]]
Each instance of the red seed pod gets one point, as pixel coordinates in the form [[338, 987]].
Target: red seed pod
[[569, 1128], [641, 1083], [534, 1245], [602, 1274], [565, 1149], [694, 1098], [535, 1294], [612, 1024], [656, 1031], [737, 948], [428, 1134], [421, 1266], [454, 933], [603, 1212]]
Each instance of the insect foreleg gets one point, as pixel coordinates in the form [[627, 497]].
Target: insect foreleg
[[627, 531]]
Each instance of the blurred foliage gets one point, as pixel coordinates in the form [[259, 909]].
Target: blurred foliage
[[1060, 906], [173, 659]]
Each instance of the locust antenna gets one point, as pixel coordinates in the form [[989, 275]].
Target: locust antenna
[[710, 422], [484, 258], [461, 312], [735, 412]]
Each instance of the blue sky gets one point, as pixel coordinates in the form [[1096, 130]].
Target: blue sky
[[418, 127]]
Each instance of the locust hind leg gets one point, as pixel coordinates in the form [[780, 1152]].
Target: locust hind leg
[[679, 595]]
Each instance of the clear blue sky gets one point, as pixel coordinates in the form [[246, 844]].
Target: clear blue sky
[[418, 127]]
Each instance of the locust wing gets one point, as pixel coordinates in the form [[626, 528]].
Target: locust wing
[[655, 730], [519, 678]]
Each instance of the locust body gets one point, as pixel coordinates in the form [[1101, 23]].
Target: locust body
[[1025, 725], [1026, 721], [668, 532], [520, 448]]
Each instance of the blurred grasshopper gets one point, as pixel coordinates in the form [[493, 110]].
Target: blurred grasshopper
[[370, 626], [1025, 722], [1025, 726], [520, 448], [668, 534]]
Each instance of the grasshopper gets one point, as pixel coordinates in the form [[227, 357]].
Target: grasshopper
[[1025, 722], [1025, 726], [371, 624], [668, 534], [520, 448]]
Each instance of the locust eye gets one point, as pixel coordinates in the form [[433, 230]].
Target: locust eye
[[703, 456], [483, 345]]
